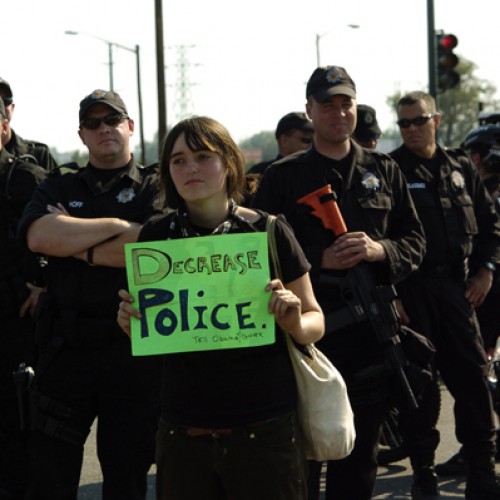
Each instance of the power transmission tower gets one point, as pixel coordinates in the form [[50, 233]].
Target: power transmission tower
[[183, 103]]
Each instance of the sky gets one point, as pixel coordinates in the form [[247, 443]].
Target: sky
[[247, 62]]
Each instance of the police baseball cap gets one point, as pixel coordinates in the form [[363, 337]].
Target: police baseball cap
[[6, 85], [8, 91], [294, 120], [366, 126], [2, 108], [328, 81], [111, 99]]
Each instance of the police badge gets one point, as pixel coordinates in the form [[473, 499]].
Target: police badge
[[333, 75], [457, 179], [368, 119], [370, 181], [125, 195]]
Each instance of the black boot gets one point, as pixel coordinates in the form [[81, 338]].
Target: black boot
[[425, 484], [454, 466], [482, 487]]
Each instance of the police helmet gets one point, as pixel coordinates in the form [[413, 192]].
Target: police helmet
[[486, 117], [485, 139], [486, 135]]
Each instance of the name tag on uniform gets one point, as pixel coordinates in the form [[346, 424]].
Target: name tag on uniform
[[416, 185]]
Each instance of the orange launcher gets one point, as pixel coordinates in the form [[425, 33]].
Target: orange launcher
[[323, 201]]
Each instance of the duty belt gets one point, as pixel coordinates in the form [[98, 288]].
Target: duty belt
[[444, 269]]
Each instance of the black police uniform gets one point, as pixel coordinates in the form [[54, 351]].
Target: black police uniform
[[19, 146], [18, 180], [373, 198], [487, 313], [253, 176], [456, 213], [85, 368]]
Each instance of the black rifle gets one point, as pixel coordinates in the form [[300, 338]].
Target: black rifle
[[365, 299]]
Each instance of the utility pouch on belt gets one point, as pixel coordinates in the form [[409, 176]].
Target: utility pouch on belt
[[56, 419]]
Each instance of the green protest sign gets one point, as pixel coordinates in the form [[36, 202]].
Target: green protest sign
[[200, 294]]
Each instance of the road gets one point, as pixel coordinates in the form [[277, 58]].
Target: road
[[393, 481]]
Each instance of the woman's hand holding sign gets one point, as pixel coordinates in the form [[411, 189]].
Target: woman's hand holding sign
[[125, 311]]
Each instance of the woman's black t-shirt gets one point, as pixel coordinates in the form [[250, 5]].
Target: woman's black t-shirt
[[231, 387]]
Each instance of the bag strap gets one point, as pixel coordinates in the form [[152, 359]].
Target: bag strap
[[276, 267], [273, 249]]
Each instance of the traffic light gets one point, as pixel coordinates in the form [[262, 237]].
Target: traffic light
[[446, 61]]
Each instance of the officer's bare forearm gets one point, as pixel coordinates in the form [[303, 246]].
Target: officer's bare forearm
[[63, 236], [111, 253]]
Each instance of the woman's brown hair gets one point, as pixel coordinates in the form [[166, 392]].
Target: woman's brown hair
[[202, 133]]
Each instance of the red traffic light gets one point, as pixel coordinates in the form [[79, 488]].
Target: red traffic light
[[448, 42], [447, 77]]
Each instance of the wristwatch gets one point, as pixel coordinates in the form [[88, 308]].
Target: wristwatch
[[489, 265], [90, 256]]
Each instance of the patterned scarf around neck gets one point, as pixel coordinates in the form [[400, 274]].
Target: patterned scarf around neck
[[181, 226]]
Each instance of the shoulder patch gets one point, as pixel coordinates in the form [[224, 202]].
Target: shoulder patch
[[66, 168]]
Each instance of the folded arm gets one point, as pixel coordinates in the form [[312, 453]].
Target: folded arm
[[59, 235], [111, 253]]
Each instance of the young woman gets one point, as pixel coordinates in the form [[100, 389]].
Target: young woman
[[228, 429]]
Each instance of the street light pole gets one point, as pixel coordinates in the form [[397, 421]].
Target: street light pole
[[110, 57], [139, 103], [160, 75], [135, 50], [319, 37], [110, 52]]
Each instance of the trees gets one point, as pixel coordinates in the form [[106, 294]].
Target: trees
[[265, 141], [461, 105]]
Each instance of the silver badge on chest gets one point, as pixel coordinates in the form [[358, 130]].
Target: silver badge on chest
[[125, 195]]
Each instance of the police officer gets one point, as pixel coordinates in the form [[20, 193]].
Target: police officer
[[81, 221], [483, 147], [439, 300], [14, 143], [293, 133], [384, 234], [19, 272], [367, 131]]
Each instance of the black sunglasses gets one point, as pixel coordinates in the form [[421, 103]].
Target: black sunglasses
[[305, 139], [8, 100], [418, 121], [111, 120]]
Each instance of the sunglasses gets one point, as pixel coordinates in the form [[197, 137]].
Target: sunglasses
[[111, 120], [305, 139], [8, 100], [418, 121]]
